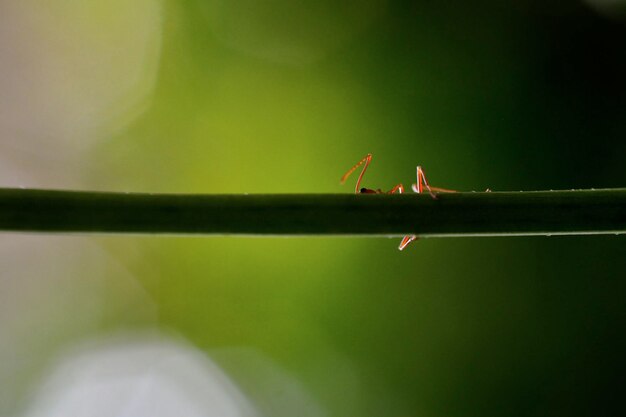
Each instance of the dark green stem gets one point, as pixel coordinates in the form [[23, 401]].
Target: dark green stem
[[451, 214]]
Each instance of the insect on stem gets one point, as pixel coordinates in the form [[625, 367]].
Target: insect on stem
[[418, 187]]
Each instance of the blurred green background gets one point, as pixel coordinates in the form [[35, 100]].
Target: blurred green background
[[279, 96]]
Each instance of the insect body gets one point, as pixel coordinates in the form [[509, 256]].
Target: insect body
[[418, 187]]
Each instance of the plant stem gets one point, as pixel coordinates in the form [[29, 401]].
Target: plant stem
[[451, 214]]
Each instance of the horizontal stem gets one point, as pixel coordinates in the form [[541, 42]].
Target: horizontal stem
[[451, 214]]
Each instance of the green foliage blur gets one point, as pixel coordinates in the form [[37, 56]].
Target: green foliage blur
[[284, 97]]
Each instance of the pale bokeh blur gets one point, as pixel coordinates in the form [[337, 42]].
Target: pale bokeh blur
[[149, 375], [55, 291], [73, 73]]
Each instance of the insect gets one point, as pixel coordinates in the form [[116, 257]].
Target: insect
[[418, 187]]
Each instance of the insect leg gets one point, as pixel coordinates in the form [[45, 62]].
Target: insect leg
[[406, 241], [399, 188], [422, 182]]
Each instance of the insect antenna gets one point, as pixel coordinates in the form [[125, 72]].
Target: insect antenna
[[367, 159]]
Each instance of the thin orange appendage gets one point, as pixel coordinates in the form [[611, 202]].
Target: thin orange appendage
[[406, 241], [366, 160], [399, 188], [423, 182], [442, 190]]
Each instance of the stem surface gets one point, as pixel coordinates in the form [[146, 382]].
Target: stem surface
[[451, 214]]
